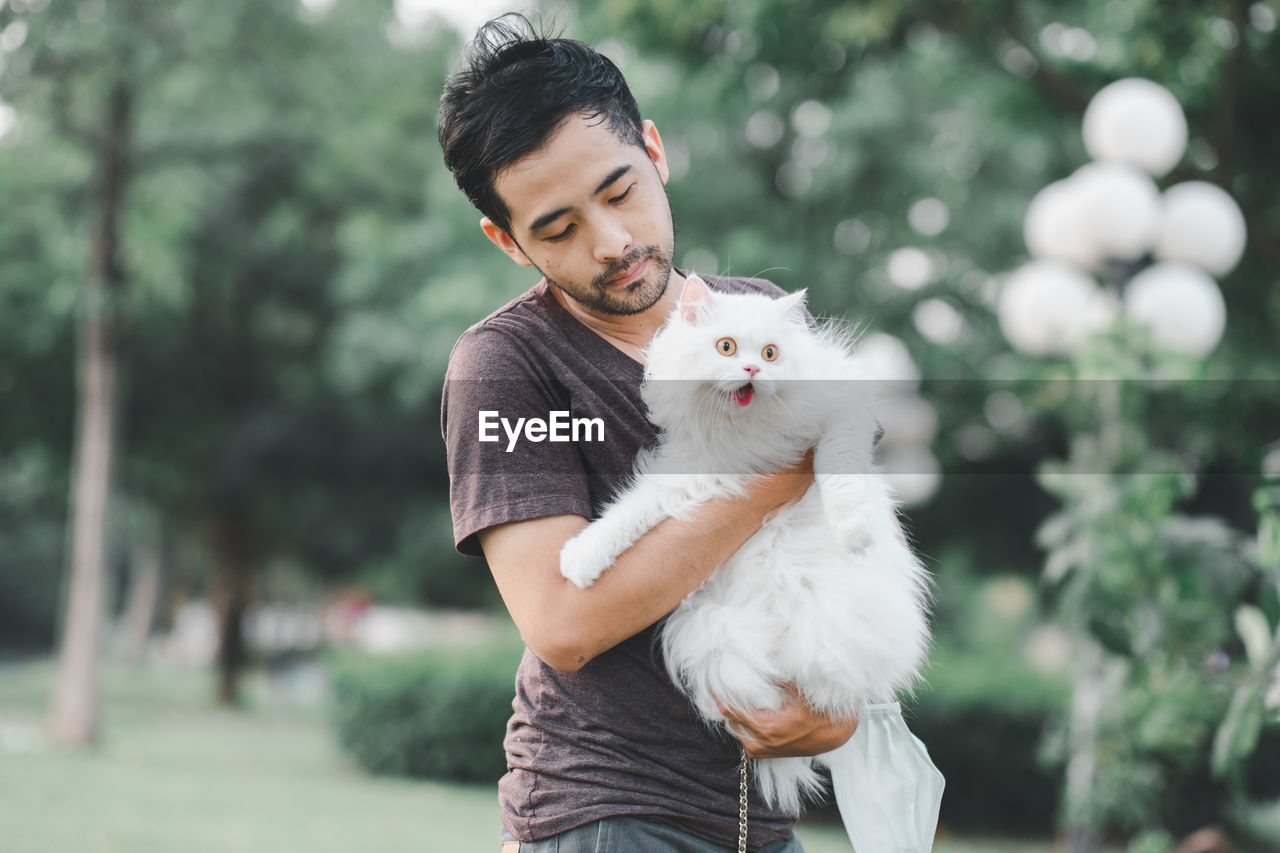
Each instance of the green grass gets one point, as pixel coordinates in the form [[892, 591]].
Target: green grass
[[173, 774]]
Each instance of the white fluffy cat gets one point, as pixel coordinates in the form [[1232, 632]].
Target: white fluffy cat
[[827, 595]]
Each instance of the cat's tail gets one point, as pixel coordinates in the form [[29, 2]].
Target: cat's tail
[[885, 784]]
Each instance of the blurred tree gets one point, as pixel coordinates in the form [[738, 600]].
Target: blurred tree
[[103, 125], [291, 378], [292, 291]]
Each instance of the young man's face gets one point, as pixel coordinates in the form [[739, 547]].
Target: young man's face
[[590, 212]]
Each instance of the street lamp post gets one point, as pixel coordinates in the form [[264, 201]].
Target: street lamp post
[[1157, 256]]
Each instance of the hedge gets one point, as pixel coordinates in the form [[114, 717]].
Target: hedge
[[437, 715], [442, 715]]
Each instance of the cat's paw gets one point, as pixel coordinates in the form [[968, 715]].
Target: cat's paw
[[584, 558], [852, 530]]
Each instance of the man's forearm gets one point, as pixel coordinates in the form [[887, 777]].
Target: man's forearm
[[567, 626]]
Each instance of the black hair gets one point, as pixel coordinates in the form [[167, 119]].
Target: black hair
[[515, 89]]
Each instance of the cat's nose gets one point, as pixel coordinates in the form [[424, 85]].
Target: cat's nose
[[752, 370]]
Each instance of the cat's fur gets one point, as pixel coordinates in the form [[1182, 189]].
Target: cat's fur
[[826, 595]]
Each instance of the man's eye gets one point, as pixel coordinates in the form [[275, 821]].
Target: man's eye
[[563, 235], [623, 196]]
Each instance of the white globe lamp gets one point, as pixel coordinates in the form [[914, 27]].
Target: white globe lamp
[[1180, 304], [1138, 122], [1202, 225], [908, 420], [1048, 307], [886, 359], [1121, 206], [1056, 226], [913, 472]]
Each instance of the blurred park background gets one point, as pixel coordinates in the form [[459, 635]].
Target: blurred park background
[[232, 268]]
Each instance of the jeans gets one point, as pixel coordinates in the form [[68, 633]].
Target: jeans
[[632, 835]]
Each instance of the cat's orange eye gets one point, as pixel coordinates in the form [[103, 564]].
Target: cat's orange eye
[[727, 346], [770, 353]]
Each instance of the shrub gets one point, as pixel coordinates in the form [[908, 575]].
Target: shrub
[[991, 754], [440, 714], [995, 730]]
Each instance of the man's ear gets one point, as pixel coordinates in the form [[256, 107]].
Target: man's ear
[[653, 145], [503, 241]]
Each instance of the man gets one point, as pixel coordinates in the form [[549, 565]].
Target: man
[[604, 753]]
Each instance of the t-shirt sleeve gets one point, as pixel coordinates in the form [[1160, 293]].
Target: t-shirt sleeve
[[498, 471]]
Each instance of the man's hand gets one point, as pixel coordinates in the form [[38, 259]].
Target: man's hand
[[788, 485], [794, 729]]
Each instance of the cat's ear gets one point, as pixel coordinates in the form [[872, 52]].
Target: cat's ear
[[695, 299], [793, 305]]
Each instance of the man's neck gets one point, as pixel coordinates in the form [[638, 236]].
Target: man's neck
[[631, 333]]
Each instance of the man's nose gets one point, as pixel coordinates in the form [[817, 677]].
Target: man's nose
[[613, 239]]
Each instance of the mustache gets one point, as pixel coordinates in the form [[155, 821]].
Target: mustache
[[618, 267]]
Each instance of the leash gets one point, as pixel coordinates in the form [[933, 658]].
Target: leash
[[742, 805]]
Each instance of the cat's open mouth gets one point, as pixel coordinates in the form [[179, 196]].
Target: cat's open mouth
[[742, 395]]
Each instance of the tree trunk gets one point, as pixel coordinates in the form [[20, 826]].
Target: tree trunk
[[74, 714], [144, 591], [235, 554]]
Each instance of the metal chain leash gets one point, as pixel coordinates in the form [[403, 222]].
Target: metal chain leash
[[742, 805]]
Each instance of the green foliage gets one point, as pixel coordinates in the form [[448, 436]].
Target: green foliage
[[1156, 841], [299, 263], [1238, 736], [291, 279], [436, 715], [32, 531], [1149, 595]]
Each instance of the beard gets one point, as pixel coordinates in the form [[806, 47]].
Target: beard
[[634, 298]]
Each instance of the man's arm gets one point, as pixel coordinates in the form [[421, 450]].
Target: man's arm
[[565, 626]]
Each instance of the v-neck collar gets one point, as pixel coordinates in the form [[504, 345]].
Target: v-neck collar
[[590, 341]]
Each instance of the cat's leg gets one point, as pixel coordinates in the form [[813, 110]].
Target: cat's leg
[[585, 556], [651, 499], [842, 462]]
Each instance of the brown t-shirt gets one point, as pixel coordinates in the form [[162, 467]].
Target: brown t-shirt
[[615, 738]]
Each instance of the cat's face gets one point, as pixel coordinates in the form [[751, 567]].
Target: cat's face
[[740, 350]]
